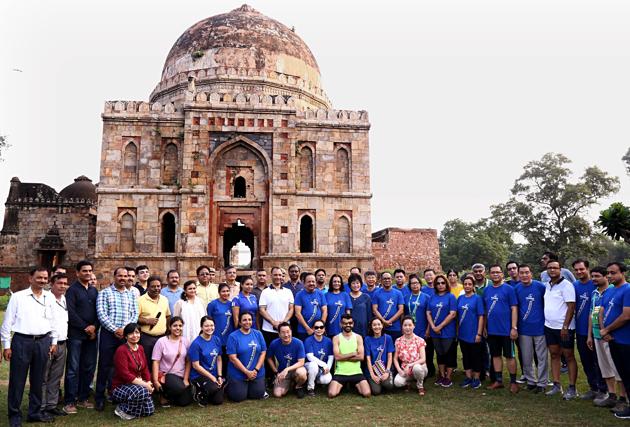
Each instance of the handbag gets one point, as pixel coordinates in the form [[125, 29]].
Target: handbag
[[162, 375]]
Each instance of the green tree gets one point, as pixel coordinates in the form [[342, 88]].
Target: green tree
[[462, 244], [615, 221], [549, 211]]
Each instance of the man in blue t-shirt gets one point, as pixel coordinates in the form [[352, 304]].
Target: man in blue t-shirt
[[501, 326], [512, 270], [615, 314], [530, 295], [285, 357], [399, 282], [310, 305], [584, 288], [388, 305]]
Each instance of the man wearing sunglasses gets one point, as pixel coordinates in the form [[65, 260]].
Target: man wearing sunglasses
[[348, 351]]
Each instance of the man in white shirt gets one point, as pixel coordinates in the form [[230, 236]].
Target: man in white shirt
[[275, 306], [57, 361], [560, 328], [30, 316]]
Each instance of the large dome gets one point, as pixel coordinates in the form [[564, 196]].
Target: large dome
[[242, 46]]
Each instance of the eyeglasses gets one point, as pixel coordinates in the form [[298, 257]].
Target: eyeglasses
[[318, 327], [440, 283]]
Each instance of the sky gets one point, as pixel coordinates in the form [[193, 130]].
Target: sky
[[461, 94]]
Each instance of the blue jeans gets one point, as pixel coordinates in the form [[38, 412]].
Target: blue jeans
[[80, 368], [107, 345], [239, 390]]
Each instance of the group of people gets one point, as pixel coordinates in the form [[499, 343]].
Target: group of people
[[146, 338]]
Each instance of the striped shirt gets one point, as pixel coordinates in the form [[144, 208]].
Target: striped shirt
[[115, 309]]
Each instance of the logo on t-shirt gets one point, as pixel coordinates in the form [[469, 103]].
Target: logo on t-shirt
[[611, 304], [584, 300], [495, 300], [439, 306], [530, 303], [390, 304], [465, 311], [254, 345], [321, 353]]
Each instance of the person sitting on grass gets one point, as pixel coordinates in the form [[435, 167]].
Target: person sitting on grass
[[348, 351], [286, 359], [379, 349], [319, 353], [171, 367], [207, 365], [410, 357], [131, 384]]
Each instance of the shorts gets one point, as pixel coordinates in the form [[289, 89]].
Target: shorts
[[553, 337], [349, 379], [500, 345], [604, 359]]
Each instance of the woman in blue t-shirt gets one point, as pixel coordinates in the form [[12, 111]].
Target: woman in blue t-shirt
[[441, 313], [361, 305], [338, 303], [379, 348], [207, 367], [470, 313], [220, 310], [246, 301], [246, 349], [319, 353]]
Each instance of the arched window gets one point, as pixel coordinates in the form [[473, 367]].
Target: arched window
[[169, 166], [342, 160], [168, 232], [306, 234], [306, 168], [240, 187], [342, 234], [130, 164], [127, 233]]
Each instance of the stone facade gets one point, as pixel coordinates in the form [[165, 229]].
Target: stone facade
[[411, 249], [261, 158], [43, 227]]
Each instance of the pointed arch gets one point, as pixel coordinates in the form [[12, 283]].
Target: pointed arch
[[168, 232], [306, 165], [170, 164], [130, 163], [247, 143], [342, 166], [343, 235], [127, 232], [307, 234]]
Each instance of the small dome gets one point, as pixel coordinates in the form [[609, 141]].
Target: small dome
[[82, 188]]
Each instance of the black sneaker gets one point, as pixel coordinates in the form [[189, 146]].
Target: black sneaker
[[624, 415], [300, 392], [531, 387], [56, 412], [539, 389], [310, 392]]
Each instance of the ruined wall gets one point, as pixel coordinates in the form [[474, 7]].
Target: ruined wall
[[411, 249]]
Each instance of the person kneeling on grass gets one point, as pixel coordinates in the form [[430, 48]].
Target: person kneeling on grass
[[171, 367], [410, 358], [379, 349], [246, 349], [286, 359], [131, 383], [319, 353], [207, 365], [348, 351]]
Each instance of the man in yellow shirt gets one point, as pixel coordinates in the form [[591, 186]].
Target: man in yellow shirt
[[207, 290], [153, 315]]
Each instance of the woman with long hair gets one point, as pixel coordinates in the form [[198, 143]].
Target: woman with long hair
[[171, 367], [379, 349], [338, 303], [441, 313], [246, 301], [190, 308]]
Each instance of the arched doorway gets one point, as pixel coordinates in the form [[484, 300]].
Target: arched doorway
[[238, 232], [240, 188], [306, 234]]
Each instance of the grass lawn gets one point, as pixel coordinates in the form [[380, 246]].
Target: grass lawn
[[440, 406]]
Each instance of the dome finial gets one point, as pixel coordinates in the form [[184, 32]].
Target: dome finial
[[245, 8]]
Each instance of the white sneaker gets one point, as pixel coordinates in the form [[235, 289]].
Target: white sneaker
[[122, 414]]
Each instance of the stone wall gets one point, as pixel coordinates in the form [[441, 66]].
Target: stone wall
[[410, 249]]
